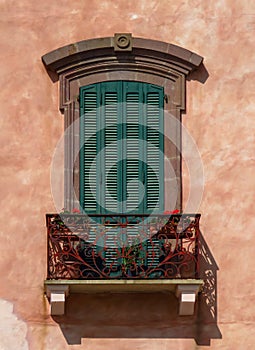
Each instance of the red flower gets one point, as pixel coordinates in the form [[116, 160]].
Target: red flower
[[176, 211], [169, 212], [75, 210]]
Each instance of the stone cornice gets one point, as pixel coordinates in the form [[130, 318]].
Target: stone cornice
[[141, 50]]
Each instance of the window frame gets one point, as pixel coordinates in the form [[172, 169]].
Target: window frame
[[103, 59]]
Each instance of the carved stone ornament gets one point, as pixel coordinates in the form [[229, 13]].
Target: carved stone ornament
[[122, 42]]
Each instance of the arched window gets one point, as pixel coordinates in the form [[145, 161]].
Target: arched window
[[107, 68]]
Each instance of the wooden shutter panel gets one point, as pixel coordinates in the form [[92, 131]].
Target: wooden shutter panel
[[154, 114], [133, 155], [89, 181], [154, 103], [110, 116]]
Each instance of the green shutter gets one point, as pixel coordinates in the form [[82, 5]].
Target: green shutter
[[154, 102], [133, 155], [122, 159], [110, 115], [89, 180], [154, 181]]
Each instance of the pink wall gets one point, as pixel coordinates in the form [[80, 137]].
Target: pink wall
[[220, 118]]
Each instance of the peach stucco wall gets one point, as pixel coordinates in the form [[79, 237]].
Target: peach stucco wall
[[219, 116]]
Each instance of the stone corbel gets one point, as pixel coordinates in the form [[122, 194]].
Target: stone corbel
[[57, 295], [187, 295]]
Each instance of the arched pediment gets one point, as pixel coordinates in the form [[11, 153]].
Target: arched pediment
[[121, 57], [139, 50]]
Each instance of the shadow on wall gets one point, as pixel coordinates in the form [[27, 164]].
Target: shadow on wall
[[144, 315], [207, 319]]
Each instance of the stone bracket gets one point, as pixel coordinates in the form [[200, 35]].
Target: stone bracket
[[187, 295], [57, 295]]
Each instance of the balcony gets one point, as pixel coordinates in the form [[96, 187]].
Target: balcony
[[122, 246], [111, 252]]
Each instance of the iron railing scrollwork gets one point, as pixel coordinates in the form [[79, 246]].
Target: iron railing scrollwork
[[123, 246]]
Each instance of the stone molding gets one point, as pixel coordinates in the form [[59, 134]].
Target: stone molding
[[96, 60], [64, 57]]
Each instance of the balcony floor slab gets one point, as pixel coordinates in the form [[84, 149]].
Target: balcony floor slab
[[118, 286]]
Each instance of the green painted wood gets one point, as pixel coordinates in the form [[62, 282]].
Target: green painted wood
[[121, 158], [122, 123], [89, 179], [110, 117], [154, 114], [133, 154]]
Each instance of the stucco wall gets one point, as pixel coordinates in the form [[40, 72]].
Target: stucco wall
[[219, 116]]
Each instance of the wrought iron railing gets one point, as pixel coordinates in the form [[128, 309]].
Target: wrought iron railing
[[123, 246]]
